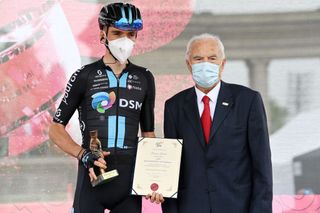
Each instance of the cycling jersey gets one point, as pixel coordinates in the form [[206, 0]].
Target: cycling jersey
[[114, 106]]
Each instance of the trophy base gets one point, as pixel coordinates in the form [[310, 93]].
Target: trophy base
[[105, 177]]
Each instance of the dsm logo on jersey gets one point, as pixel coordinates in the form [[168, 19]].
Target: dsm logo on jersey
[[102, 101]]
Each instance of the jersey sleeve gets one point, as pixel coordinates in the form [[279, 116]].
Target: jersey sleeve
[[147, 110], [72, 97]]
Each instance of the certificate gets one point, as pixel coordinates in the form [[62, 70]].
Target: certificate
[[157, 167]]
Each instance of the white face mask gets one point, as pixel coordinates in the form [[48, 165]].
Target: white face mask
[[205, 74], [121, 48]]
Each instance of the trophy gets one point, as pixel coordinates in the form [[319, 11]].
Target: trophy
[[96, 148]]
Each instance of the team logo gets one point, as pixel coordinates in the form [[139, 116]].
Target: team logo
[[135, 77], [82, 126], [102, 101], [58, 113]]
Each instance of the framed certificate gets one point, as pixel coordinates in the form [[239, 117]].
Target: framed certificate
[[157, 167]]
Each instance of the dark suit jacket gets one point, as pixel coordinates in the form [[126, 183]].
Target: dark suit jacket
[[233, 172]]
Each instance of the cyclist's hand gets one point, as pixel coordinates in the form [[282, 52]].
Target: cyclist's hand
[[155, 197], [100, 163], [89, 160]]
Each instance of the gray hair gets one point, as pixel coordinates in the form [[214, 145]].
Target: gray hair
[[204, 36]]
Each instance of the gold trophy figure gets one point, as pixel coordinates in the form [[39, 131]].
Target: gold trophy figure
[[96, 148]]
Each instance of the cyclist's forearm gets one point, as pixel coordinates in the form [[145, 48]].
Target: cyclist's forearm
[[63, 140]]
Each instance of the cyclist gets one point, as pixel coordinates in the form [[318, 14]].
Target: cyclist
[[113, 96]]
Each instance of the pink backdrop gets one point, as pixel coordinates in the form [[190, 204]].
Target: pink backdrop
[[42, 44], [281, 204]]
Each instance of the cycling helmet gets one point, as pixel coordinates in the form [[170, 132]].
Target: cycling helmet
[[121, 16]]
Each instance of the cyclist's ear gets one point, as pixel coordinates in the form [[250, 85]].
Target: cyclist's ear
[[103, 37]]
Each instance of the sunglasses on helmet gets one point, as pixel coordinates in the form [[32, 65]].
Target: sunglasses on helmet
[[124, 24]]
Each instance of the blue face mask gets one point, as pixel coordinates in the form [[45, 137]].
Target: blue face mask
[[205, 74]]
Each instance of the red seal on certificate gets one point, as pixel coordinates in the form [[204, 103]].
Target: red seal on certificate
[[154, 187]]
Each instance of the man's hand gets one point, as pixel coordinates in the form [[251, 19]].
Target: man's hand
[[155, 197], [89, 160]]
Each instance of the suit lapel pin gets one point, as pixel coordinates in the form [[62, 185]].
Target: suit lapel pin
[[225, 104]]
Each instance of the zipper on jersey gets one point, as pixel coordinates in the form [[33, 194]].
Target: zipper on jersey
[[117, 111], [117, 116]]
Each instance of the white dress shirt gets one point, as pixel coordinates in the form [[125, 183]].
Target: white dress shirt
[[213, 95]]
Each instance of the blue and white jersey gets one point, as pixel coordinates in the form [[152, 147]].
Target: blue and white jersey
[[112, 105]]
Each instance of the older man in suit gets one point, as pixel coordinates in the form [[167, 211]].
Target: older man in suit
[[226, 159]]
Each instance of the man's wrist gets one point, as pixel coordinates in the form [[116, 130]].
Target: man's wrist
[[80, 153]]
